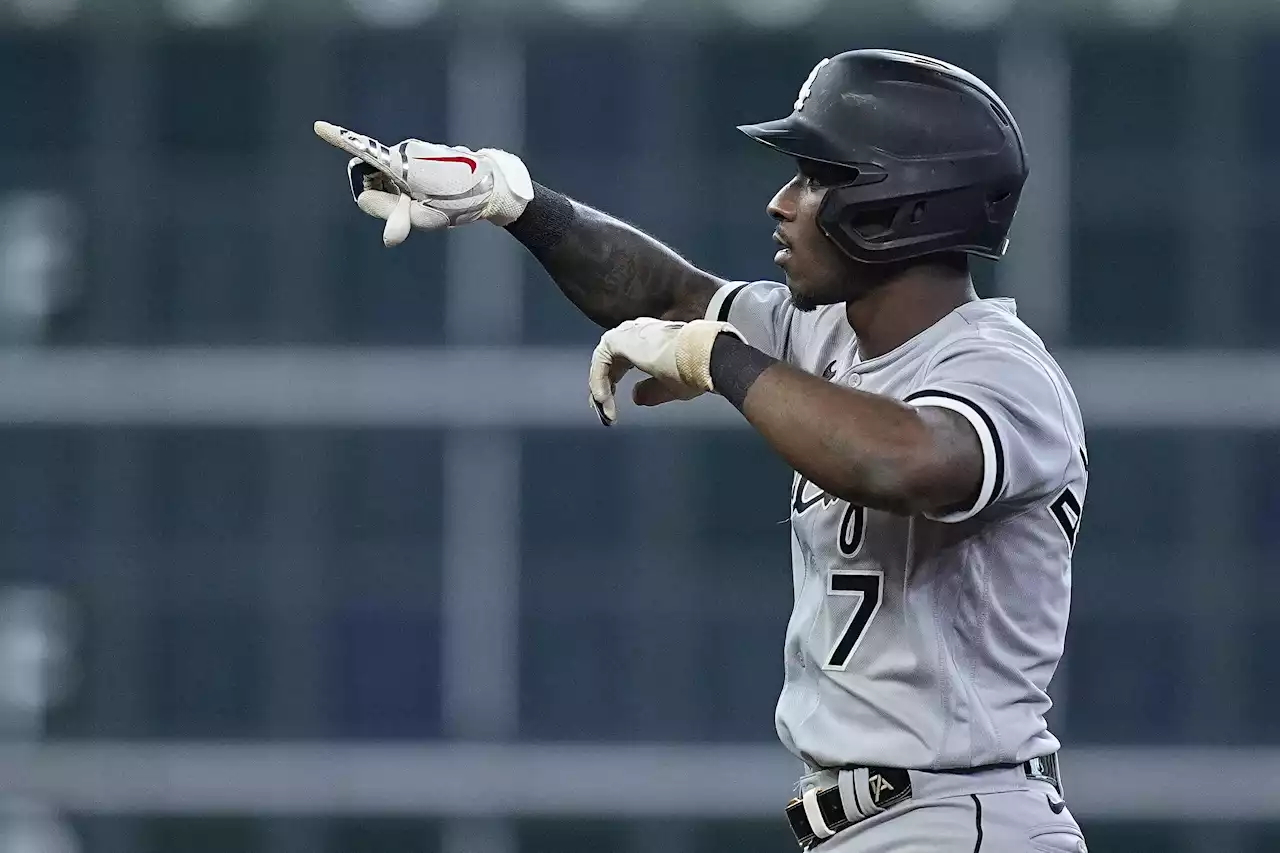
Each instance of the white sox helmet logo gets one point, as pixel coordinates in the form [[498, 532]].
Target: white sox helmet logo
[[808, 85]]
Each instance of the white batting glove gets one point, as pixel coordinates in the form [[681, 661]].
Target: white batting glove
[[676, 355], [429, 186]]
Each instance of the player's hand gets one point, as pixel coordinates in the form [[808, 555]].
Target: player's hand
[[429, 186], [676, 355]]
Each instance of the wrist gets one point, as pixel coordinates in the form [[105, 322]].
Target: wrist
[[735, 366], [545, 220]]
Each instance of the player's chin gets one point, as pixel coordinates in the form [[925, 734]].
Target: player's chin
[[801, 300], [804, 297]]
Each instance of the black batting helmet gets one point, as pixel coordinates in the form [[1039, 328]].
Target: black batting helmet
[[934, 160]]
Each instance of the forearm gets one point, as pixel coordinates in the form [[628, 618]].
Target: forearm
[[611, 271], [868, 449]]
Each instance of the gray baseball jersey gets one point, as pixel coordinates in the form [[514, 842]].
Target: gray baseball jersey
[[929, 642]]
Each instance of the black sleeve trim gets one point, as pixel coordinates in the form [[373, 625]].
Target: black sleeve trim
[[998, 447], [977, 820], [723, 314]]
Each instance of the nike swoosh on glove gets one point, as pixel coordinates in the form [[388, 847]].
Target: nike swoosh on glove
[[430, 186]]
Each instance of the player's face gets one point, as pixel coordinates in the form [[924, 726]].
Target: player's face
[[818, 273]]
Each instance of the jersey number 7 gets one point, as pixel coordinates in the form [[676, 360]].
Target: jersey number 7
[[866, 587]]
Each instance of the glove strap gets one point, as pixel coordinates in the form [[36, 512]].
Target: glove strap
[[693, 351]]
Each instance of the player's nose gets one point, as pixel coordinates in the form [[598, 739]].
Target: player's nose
[[782, 206]]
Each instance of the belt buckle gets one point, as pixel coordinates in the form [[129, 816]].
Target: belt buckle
[[838, 806], [1045, 769]]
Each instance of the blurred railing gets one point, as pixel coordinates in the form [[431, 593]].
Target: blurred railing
[[441, 387], [579, 780], [761, 14]]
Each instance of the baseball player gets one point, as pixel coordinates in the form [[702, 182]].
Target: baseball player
[[939, 455]]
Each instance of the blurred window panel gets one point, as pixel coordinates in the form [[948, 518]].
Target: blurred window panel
[[1128, 264], [1262, 69], [46, 495], [577, 836], [1261, 473], [387, 297], [1127, 678], [210, 266], [212, 99], [1261, 671], [46, 84], [584, 137], [381, 527], [383, 671], [385, 486], [207, 671], [1260, 459], [1128, 282], [357, 834], [393, 85], [201, 834], [1143, 107], [1260, 314], [210, 279], [579, 86], [657, 584], [206, 485], [574, 566]]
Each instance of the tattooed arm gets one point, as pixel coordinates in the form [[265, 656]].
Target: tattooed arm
[[610, 270]]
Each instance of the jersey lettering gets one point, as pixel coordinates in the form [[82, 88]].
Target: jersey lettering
[[1066, 511], [865, 588], [802, 503], [853, 530]]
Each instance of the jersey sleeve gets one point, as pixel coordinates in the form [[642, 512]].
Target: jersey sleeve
[[761, 310], [1016, 405]]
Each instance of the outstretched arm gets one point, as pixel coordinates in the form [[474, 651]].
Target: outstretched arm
[[611, 271], [868, 449]]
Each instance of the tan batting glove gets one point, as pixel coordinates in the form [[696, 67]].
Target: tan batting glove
[[676, 355]]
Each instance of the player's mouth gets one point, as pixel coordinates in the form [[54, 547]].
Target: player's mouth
[[785, 252]]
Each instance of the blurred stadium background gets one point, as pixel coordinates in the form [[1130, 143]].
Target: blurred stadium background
[[307, 545]]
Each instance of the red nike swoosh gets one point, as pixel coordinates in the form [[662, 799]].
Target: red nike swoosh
[[467, 160]]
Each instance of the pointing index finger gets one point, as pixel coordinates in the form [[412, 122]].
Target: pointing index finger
[[366, 148]]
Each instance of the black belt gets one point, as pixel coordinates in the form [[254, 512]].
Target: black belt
[[870, 790]]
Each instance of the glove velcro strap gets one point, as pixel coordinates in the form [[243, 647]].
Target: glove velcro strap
[[514, 188], [693, 351]]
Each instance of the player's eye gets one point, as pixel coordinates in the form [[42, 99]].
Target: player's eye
[[814, 174]]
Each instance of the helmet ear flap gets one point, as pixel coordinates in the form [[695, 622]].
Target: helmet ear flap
[[874, 223], [886, 230], [870, 230]]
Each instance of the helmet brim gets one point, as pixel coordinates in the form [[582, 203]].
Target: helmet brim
[[795, 137]]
